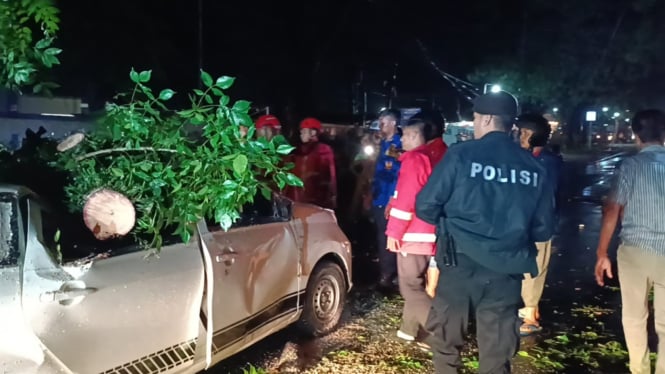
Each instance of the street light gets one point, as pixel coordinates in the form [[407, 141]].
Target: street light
[[605, 109], [616, 114], [555, 109], [493, 88]]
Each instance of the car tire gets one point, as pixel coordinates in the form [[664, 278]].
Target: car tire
[[324, 300]]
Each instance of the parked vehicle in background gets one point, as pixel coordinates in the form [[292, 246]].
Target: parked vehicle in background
[[599, 175], [122, 310]]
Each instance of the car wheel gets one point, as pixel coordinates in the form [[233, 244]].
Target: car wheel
[[324, 300]]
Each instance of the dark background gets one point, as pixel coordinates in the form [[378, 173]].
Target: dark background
[[316, 57]]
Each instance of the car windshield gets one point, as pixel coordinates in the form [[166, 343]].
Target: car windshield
[[9, 251]]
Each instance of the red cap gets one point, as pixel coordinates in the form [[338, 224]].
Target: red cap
[[310, 123], [268, 120]]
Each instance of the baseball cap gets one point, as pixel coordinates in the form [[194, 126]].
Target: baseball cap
[[498, 104]]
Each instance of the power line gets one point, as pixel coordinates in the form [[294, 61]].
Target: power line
[[465, 88]]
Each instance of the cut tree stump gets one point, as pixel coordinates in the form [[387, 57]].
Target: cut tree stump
[[108, 214], [70, 142]]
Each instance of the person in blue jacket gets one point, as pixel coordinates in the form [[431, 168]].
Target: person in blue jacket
[[383, 188], [491, 202]]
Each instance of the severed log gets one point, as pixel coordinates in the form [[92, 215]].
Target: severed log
[[108, 214], [70, 142]]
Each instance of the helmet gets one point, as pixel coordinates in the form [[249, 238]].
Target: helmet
[[268, 120], [540, 127], [311, 123]]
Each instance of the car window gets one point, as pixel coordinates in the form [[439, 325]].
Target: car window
[[258, 212], [66, 235], [9, 234]]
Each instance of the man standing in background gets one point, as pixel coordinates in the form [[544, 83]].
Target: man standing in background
[[534, 133], [638, 200], [383, 188], [315, 165]]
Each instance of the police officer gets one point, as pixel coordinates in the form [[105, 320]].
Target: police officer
[[491, 202]]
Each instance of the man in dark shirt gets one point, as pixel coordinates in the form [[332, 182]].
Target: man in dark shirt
[[491, 202]]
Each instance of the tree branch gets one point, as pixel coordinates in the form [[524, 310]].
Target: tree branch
[[114, 150]]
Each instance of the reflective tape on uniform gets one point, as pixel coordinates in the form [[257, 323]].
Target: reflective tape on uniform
[[400, 214], [419, 237]]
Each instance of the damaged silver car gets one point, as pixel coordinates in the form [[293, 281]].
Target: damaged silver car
[[180, 310]]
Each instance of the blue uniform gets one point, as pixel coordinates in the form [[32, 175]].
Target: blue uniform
[[385, 174]]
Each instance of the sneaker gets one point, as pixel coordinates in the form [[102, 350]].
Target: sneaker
[[404, 336]]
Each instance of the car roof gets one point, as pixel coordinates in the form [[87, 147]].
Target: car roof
[[15, 189]]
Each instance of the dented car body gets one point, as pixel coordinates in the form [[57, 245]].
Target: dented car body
[[177, 311]]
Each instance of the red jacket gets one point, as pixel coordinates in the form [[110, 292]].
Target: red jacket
[[315, 165], [436, 149], [417, 236]]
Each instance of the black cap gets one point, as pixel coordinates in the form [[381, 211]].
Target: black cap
[[498, 104]]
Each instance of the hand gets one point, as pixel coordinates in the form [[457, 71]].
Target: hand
[[603, 268], [386, 213], [393, 244]]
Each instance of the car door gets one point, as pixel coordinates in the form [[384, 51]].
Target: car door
[[129, 313], [256, 276]]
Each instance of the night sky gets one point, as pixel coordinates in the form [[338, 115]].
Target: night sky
[[302, 54]]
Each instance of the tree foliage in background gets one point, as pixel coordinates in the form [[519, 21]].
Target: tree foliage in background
[[27, 32], [572, 53], [177, 167]]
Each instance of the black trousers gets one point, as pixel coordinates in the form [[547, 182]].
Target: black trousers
[[412, 271], [387, 259], [494, 298]]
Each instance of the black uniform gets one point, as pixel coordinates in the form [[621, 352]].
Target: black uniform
[[491, 201]]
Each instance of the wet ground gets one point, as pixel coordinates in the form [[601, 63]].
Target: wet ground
[[582, 325]]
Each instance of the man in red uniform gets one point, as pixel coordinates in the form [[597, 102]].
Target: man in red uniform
[[315, 165], [412, 239], [267, 126]]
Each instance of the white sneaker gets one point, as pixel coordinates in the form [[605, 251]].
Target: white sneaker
[[404, 336]]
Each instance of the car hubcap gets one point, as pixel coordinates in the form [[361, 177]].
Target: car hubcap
[[326, 298]]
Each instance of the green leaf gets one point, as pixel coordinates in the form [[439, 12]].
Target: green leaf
[[224, 219], [206, 78], [241, 106], [134, 76], [199, 92], [240, 164], [56, 237], [217, 91], [225, 82], [523, 353], [185, 235], [208, 99], [144, 76], [52, 51], [166, 94], [267, 193], [117, 172], [224, 100], [292, 180], [285, 149]]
